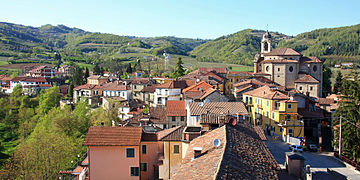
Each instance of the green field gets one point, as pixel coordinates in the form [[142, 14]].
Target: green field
[[83, 65]]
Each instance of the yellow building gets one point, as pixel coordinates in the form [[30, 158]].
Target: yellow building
[[274, 111], [234, 77]]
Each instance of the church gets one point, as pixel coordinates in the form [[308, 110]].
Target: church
[[289, 68]]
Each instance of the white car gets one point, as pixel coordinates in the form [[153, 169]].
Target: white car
[[296, 148]]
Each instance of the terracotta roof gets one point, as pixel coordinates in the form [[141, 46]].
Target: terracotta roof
[[113, 86], [217, 70], [282, 52], [113, 136], [212, 75], [5, 78], [190, 82], [165, 132], [267, 93], [158, 115], [327, 101], [97, 77], [173, 134], [201, 86], [85, 86], [280, 61], [150, 89], [244, 88], [175, 108], [140, 80], [217, 108], [305, 113], [207, 93], [193, 94], [307, 79], [310, 59], [172, 85], [260, 132], [30, 79], [241, 155], [241, 73]]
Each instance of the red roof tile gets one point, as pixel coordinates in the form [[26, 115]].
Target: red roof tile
[[173, 85], [165, 134], [267, 93], [218, 108], [307, 79], [201, 86], [113, 86], [113, 136], [175, 108], [282, 52], [217, 70]]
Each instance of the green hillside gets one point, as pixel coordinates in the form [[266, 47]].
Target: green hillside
[[237, 48]]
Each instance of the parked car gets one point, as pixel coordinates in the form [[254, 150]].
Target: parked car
[[296, 148], [312, 147]]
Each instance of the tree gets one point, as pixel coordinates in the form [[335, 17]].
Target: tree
[[97, 70], [129, 70], [49, 99], [58, 58], [179, 69], [86, 75], [71, 90], [338, 82], [349, 110], [326, 81], [78, 77]]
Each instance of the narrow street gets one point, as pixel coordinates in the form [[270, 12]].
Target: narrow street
[[317, 161]]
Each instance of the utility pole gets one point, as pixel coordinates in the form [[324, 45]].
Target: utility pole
[[340, 138]]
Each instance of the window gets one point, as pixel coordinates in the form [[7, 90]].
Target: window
[[278, 69], [291, 132], [291, 69], [267, 68], [182, 118], [267, 103], [267, 114], [144, 149], [173, 126], [315, 68], [134, 171], [300, 88], [143, 167], [289, 106], [176, 149], [311, 88], [173, 118], [130, 152], [273, 115]]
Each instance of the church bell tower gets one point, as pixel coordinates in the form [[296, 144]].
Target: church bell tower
[[266, 44]]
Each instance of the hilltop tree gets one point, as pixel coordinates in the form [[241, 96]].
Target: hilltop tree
[[57, 58], [338, 82], [179, 69], [49, 99], [71, 90], [78, 77]]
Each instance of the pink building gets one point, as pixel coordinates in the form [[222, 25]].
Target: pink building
[[122, 153]]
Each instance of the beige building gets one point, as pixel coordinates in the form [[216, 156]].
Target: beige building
[[285, 66]]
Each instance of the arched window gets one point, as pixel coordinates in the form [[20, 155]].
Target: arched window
[[267, 68], [315, 68], [291, 69]]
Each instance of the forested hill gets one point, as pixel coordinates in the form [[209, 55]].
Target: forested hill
[[328, 42], [238, 48], [14, 37]]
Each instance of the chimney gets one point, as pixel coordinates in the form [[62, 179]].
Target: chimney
[[197, 152]]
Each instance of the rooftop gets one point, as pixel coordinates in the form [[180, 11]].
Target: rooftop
[[175, 108], [267, 93], [307, 79], [198, 108], [283, 52], [240, 155], [113, 136]]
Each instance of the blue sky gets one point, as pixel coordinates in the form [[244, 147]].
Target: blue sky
[[205, 19]]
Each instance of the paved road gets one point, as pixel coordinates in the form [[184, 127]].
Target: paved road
[[317, 161]]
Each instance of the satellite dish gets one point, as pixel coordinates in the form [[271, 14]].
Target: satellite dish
[[207, 101], [217, 142], [201, 104]]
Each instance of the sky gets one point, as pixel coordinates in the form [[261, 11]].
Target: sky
[[205, 19]]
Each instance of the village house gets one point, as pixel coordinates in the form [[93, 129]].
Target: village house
[[157, 117], [122, 153], [147, 94], [5, 84], [31, 85], [196, 109], [234, 77], [176, 113], [168, 91], [274, 111], [201, 92], [64, 71], [41, 71], [137, 85], [175, 142]]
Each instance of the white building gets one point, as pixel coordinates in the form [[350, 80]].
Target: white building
[[168, 91]]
